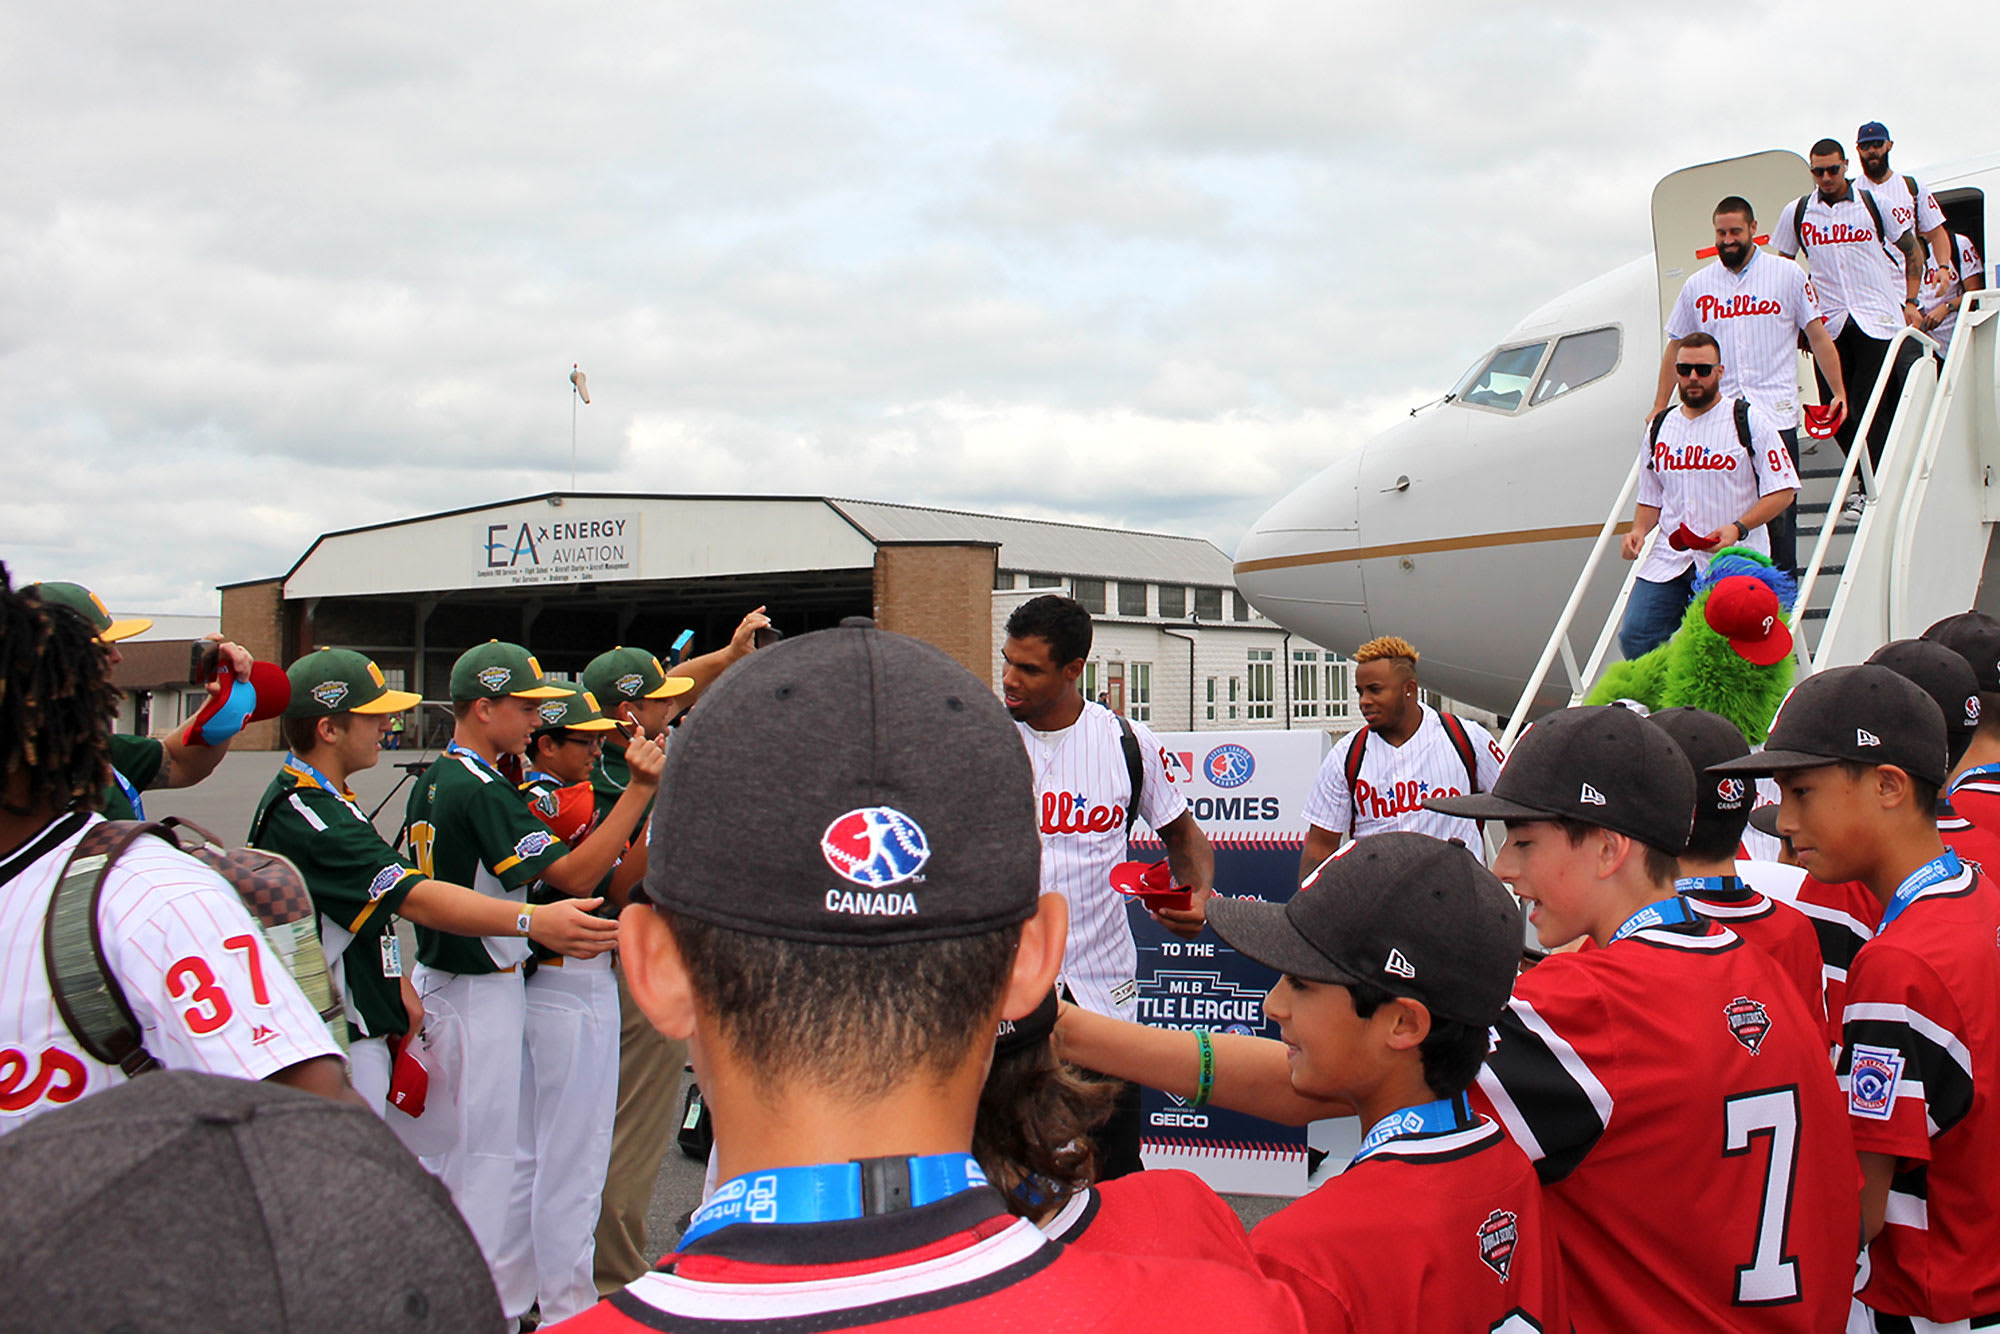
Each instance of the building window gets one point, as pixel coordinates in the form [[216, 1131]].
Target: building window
[[1235, 690], [1173, 600], [1003, 579], [1430, 697], [1091, 677], [1131, 599], [1208, 603], [1139, 692], [392, 677], [1305, 684], [1262, 693], [1090, 592], [1045, 581], [1242, 607], [1211, 699], [1339, 700]]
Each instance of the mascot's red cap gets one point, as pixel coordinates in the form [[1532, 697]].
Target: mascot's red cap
[[1822, 420], [1744, 610]]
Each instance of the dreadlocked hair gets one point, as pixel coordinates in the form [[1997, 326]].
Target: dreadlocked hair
[[1032, 1134], [55, 697]]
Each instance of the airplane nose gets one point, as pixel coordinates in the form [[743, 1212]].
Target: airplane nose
[[1292, 566]]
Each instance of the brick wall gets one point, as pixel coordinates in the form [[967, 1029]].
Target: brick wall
[[941, 594], [253, 615]]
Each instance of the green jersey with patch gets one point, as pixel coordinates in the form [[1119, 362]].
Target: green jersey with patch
[[138, 759], [470, 826], [357, 882], [608, 779]]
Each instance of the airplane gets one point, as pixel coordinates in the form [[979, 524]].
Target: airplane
[[1464, 527]]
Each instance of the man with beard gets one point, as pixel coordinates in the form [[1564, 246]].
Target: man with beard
[[1900, 196], [1755, 306], [1699, 485]]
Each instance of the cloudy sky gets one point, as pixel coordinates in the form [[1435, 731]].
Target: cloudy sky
[[266, 273]]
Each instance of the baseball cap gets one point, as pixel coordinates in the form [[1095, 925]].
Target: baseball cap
[[1020, 1034], [1943, 675], [192, 1201], [1709, 739], [1765, 820], [1413, 915], [1600, 764], [632, 673], [1866, 714], [327, 681], [1823, 419], [494, 670], [905, 809], [1974, 636], [1874, 132], [573, 713], [89, 606], [1744, 610]]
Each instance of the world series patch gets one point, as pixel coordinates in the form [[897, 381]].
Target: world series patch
[[1872, 1080], [1497, 1238]]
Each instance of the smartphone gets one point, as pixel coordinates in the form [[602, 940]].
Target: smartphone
[[767, 636], [682, 642]]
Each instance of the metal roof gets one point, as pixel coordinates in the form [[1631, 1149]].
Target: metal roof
[[1043, 545]]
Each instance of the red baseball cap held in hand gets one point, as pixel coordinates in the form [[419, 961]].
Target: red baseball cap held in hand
[[1823, 419], [1745, 611]]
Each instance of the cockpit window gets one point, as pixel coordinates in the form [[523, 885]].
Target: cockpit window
[[1503, 379], [1577, 360]]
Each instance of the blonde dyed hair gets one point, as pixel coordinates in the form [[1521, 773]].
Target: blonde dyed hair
[[1387, 646]]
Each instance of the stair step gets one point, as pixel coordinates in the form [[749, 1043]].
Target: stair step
[[1815, 474], [1816, 613]]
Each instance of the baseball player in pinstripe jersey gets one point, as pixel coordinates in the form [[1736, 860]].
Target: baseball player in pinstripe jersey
[[186, 952], [1702, 479], [1083, 792]]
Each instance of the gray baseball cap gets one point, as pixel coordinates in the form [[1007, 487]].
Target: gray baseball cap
[[188, 1201], [1413, 915]]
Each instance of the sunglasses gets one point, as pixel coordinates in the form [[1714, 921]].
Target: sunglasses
[[1700, 370], [1827, 171]]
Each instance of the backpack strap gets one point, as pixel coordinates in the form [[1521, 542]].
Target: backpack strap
[[1799, 220], [1653, 432], [86, 994], [1461, 741], [1135, 768], [1742, 411], [1354, 772], [1881, 231]]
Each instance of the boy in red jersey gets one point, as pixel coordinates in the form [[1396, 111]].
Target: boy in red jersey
[[1975, 775], [840, 948], [1859, 754], [1670, 1085]]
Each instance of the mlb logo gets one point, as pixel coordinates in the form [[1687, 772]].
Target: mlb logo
[[1872, 1080], [1179, 765]]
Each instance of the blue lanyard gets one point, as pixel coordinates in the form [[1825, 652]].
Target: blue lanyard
[[1714, 886], [1934, 872], [1667, 912], [1975, 771], [293, 761], [542, 776], [823, 1192], [453, 748], [1431, 1118], [131, 794]]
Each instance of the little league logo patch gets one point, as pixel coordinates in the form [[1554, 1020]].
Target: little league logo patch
[[1497, 1238], [1748, 1022], [552, 711], [875, 846], [629, 683], [385, 880], [1229, 765], [1872, 1080], [532, 844], [1729, 793], [495, 677], [330, 693]]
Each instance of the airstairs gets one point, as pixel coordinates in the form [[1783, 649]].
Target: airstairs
[[1920, 551]]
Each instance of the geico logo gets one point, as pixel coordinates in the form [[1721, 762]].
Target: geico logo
[[1182, 1120]]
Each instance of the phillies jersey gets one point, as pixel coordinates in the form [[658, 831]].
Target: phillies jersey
[[1892, 196], [208, 994], [1780, 930], [1675, 1096], [1157, 1213], [1857, 271], [1700, 476], [1442, 1231], [1920, 1063], [1394, 782], [1082, 793], [1941, 286], [1755, 314], [962, 1264]]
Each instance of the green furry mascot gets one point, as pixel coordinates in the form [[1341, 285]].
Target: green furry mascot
[[1732, 654]]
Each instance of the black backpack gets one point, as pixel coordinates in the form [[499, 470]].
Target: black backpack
[[1135, 768]]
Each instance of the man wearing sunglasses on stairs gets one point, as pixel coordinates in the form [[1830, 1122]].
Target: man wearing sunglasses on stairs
[[1716, 473]]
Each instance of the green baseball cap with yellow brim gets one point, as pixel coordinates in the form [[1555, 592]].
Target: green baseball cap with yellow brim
[[574, 713], [89, 606], [495, 670], [339, 680], [632, 673]]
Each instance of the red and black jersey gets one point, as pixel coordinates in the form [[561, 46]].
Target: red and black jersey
[[1442, 1231], [1920, 1063], [1159, 1213], [1843, 916], [1976, 796], [1675, 1096], [962, 1264], [1973, 842], [1780, 930]]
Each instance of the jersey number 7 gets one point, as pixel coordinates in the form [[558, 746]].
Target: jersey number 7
[[1771, 1276]]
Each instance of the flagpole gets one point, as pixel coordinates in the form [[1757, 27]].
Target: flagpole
[[572, 437]]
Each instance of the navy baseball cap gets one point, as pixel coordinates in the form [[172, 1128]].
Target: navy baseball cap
[[848, 787], [1874, 132]]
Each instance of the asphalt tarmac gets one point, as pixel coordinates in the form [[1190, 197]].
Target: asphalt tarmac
[[223, 805]]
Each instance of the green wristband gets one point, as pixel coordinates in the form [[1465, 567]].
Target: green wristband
[[1205, 1078]]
